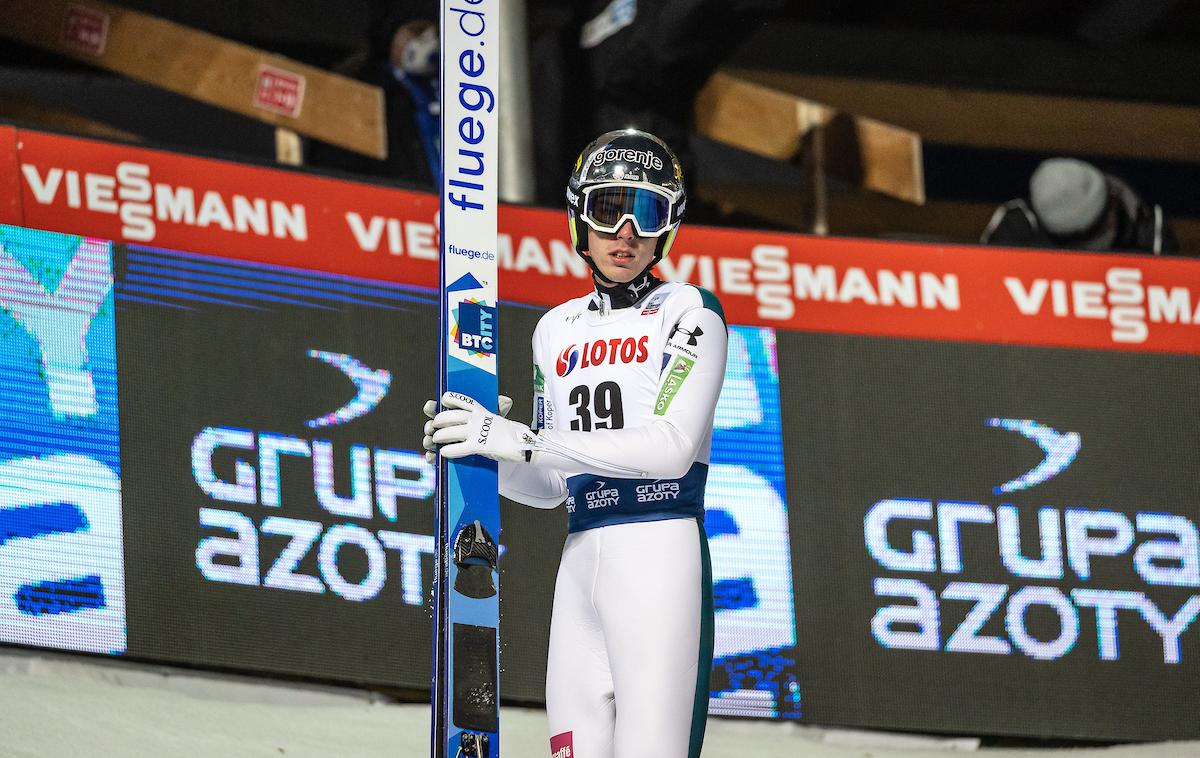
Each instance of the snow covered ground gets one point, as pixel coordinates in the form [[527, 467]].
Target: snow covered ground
[[57, 706]]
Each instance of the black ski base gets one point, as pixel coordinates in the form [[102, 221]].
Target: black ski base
[[475, 677]]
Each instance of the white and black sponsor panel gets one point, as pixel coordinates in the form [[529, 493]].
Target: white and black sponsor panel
[[265, 482], [990, 517]]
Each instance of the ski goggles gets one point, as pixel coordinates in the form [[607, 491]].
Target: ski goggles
[[606, 207]]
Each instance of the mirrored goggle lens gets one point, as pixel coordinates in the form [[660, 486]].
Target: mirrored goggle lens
[[607, 206]]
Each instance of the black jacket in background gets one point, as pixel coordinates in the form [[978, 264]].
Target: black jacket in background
[[1141, 228]]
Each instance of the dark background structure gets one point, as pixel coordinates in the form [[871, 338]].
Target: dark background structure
[[991, 88]]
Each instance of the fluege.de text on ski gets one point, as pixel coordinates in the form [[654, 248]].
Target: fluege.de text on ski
[[463, 170]]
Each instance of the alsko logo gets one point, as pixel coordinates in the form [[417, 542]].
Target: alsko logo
[[671, 384]]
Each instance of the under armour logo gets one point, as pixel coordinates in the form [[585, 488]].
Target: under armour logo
[[692, 335], [636, 289]]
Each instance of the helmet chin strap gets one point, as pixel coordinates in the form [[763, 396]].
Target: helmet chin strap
[[624, 294], [620, 294]]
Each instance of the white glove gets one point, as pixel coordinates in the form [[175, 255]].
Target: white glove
[[464, 427], [503, 402]]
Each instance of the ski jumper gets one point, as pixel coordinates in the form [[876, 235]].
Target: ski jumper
[[624, 397]]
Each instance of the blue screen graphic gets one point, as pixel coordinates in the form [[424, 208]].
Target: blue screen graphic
[[754, 671], [62, 579]]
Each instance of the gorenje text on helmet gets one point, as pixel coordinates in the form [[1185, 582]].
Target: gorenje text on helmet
[[644, 157]]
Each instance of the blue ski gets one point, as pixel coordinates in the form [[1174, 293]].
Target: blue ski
[[466, 715]]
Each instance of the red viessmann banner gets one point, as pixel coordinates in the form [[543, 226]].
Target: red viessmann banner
[[950, 292]]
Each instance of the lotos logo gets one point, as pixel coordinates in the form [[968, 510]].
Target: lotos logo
[[567, 360], [610, 351]]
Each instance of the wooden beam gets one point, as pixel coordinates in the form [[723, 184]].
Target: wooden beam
[[997, 61], [775, 124], [199, 65], [289, 149], [853, 214], [874, 216], [20, 108], [1005, 120]]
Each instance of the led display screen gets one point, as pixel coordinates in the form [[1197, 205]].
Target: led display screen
[[995, 539], [214, 462], [62, 583], [746, 518], [278, 512], [275, 507]]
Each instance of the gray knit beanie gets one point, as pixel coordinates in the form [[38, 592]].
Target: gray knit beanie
[[1068, 195]]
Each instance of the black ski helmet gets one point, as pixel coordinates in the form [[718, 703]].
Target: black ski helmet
[[632, 159]]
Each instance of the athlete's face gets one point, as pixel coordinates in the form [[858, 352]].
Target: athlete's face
[[622, 255]]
